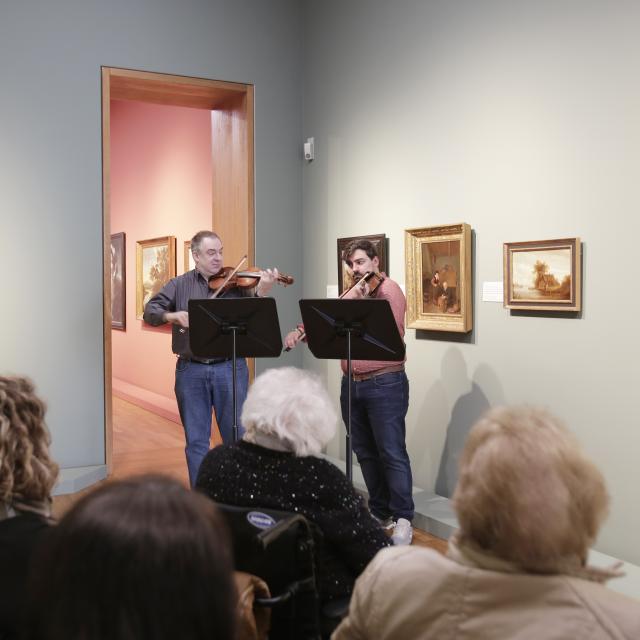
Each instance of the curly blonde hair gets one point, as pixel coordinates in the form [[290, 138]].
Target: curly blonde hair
[[526, 491], [27, 472]]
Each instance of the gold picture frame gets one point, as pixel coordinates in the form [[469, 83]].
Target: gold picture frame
[[119, 281], [543, 275], [155, 266], [438, 278]]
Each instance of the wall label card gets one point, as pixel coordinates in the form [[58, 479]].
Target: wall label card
[[492, 292]]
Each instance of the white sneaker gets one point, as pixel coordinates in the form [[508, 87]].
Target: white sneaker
[[402, 532], [386, 524]]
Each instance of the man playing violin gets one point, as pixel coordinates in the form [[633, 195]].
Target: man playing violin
[[380, 400], [202, 384]]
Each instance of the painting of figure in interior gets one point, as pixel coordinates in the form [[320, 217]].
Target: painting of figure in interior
[[438, 278], [441, 276]]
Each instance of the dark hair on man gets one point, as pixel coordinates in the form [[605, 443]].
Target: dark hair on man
[[142, 559], [367, 246], [200, 236]]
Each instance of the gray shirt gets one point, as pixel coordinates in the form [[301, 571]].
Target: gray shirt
[[175, 296]]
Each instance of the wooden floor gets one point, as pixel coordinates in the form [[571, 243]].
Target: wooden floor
[[144, 442]]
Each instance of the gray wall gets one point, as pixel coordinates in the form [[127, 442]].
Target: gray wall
[[51, 170], [522, 119]]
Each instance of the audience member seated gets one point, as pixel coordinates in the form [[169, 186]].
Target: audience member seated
[[142, 559], [289, 418], [27, 475], [529, 505]]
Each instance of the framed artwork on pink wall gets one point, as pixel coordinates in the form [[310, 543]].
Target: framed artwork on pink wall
[[118, 282], [155, 266], [189, 262]]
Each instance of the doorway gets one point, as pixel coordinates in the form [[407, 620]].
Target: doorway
[[232, 183]]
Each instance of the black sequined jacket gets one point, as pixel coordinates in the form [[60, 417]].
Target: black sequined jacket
[[247, 474]]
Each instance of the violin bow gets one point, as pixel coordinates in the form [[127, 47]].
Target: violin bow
[[233, 273]]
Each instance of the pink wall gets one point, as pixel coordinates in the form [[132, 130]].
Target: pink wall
[[161, 172]]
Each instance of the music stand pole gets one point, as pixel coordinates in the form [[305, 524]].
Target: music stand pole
[[235, 387], [348, 454], [366, 329]]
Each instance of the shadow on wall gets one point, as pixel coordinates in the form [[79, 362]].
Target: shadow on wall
[[424, 441], [468, 408]]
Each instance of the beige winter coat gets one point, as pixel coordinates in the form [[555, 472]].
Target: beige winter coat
[[410, 592]]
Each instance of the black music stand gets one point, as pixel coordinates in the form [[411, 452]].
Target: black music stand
[[363, 329], [234, 327]]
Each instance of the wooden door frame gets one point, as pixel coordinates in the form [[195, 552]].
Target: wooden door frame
[[233, 210]]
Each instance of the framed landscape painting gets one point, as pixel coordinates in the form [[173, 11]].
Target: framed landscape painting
[[118, 282], [345, 275], [543, 275], [155, 266], [438, 278]]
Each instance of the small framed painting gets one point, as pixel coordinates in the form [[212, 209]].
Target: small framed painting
[[438, 278], [189, 262], [155, 266], [118, 282], [543, 275]]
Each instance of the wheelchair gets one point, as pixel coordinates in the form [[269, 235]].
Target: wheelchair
[[279, 547]]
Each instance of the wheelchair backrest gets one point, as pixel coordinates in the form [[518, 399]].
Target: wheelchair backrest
[[278, 546]]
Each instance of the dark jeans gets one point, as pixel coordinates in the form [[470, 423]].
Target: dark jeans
[[379, 406], [199, 388]]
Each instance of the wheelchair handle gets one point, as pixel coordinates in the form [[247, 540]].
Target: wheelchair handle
[[306, 584], [267, 536]]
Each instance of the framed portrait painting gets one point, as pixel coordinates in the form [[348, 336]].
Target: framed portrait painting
[[438, 278], [345, 275], [155, 266], [543, 275], [118, 282]]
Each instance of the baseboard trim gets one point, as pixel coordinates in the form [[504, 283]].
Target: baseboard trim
[[74, 479], [149, 400]]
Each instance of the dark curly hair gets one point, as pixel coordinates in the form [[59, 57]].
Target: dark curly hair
[[368, 247]]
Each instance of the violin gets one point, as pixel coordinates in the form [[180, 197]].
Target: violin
[[371, 278], [230, 277]]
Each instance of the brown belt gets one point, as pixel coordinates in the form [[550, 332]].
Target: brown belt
[[394, 368]]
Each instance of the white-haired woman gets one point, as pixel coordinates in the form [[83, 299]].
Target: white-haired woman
[[27, 475], [289, 418], [529, 505]]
